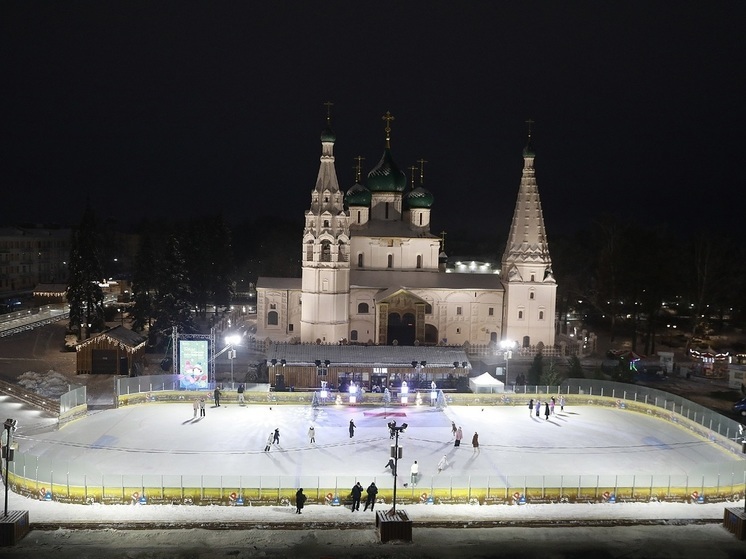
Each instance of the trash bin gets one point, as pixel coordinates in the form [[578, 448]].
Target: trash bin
[[394, 526]]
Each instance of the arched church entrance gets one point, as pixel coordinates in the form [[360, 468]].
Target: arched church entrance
[[401, 328]]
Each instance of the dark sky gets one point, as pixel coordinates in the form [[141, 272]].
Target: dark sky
[[167, 110]]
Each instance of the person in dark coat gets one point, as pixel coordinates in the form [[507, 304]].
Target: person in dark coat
[[530, 406], [216, 395], [276, 436], [240, 394], [546, 410], [391, 425], [352, 428], [357, 493], [300, 500], [391, 464], [475, 442], [370, 500]]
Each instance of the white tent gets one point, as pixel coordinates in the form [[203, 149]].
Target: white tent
[[485, 383]]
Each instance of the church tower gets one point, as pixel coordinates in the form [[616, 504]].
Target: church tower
[[526, 270], [325, 284]]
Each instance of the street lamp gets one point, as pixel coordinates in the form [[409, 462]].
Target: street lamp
[[10, 426], [396, 454], [507, 346], [231, 341]]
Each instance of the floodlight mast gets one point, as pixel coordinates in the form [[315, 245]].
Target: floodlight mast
[[10, 426], [397, 430]]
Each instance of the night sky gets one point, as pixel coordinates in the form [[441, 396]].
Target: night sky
[[169, 110]]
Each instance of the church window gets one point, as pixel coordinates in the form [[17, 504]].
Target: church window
[[533, 277], [273, 305], [326, 223], [458, 330], [520, 315], [541, 315], [491, 311], [386, 210], [325, 285], [360, 260], [458, 311], [428, 308], [353, 335], [326, 251], [272, 318], [419, 261], [290, 327], [358, 216], [391, 261], [531, 295], [420, 219], [326, 198], [363, 308]]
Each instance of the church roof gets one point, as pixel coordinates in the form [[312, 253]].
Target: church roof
[[387, 279], [357, 195], [393, 356], [386, 176], [420, 197], [398, 229], [328, 135], [267, 282]]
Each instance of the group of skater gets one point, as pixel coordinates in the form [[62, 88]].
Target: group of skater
[[458, 434], [549, 405]]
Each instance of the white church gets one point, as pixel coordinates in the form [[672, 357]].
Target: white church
[[374, 274]]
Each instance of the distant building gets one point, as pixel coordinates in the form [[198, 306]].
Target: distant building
[[30, 256], [373, 273]]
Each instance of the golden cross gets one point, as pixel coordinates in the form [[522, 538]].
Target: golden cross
[[358, 167], [412, 169], [422, 170], [529, 122], [329, 106], [443, 241], [388, 117]]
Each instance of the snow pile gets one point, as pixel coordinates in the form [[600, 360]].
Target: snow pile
[[50, 384]]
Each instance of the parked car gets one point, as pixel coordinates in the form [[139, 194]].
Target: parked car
[[740, 407]]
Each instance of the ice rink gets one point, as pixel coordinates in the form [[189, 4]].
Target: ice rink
[[165, 439]]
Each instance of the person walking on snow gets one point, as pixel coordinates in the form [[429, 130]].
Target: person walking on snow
[[195, 405], [391, 464], [352, 428], [312, 434], [370, 500], [453, 429], [538, 408], [357, 493], [475, 442], [413, 473], [546, 410], [269, 441], [216, 395], [202, 407], [240, 390], [443, 463], [551, 405], [530, 407], [300, 500], [562, 403], [276, 436], [459, 436]]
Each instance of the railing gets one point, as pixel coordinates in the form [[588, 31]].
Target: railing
[[44, 478], [29, 397]]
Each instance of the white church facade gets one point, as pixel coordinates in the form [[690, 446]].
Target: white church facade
[[373, 273]]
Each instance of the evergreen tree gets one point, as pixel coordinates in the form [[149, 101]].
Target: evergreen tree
[[144, 283], [575, 369], [534, 373], [84, 293], [551, 377], [174, 300]]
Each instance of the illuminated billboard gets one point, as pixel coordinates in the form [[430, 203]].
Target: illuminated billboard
[[193, 362]]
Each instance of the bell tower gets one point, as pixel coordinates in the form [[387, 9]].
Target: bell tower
[[325, 291]]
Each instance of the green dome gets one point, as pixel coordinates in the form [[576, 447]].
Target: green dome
[[386, 176], [327, 135], [419, 198], [357, 195], [528, 151]]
